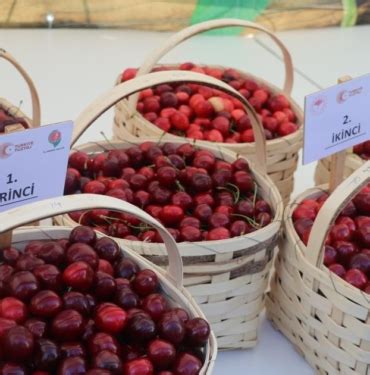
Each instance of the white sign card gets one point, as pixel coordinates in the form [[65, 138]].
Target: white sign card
[[336, 118], [33, 164]]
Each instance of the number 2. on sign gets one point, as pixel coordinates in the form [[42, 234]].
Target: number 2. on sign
[[346, 120]]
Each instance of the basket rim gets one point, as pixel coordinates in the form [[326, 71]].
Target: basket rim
[[182, 295]]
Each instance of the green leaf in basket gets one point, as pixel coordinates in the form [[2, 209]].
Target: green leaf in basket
[[213, 9]]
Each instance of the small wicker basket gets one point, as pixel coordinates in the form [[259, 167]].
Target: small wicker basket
[[326, 318], [227, 278], [282, 153], [13, 110], [171, 281], [324, 167]]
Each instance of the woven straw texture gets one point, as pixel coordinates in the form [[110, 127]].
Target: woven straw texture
[[322, 315], [282, 153], [227, 278], [171, 282], [324, 167]]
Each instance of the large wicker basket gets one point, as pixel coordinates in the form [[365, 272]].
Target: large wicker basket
[[324, 167], [14, 110], [227, 278], [282, 153], [326, 318], [171, 281]]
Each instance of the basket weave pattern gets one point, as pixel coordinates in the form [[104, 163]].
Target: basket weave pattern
[[326, 318]]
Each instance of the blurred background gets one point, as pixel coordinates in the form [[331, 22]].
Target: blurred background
[[176, 14]]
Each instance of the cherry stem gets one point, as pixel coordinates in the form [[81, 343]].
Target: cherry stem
[[179, 186], [248, 219]]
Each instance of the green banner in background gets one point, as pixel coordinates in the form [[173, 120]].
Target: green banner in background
[[213, 9]]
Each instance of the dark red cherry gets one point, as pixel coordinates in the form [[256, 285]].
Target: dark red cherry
[[49, 277], [72, 349], [162, 353], [10, 255], [155, 305], [104, 285], [126, 268], [68, 325], [18, 344], [45, 304], [171, 328], [77, 301], [72, 366], [36, 327], [46, 354], [83, 234], [27, 262], [187, 364], [141, 327], [23, 285], [107, 249], [80, 252], [103, 341], [108, 361], [145, 282], [126, 298], [140, 366], [52, 253], [13, 309], [12, 369], [197, 332]]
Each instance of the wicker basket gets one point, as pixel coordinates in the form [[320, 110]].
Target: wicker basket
[[282, 153], [171, 281], [326, 318], [14, 110], [324, 167], [227, 278]]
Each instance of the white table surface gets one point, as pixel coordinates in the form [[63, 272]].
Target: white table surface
[[72, 67]]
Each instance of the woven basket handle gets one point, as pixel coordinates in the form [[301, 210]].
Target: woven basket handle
[[190, 31], [337, 200], [123, 90], [36, 111], [17, 217]]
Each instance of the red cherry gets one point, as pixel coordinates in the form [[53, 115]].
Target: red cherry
[[217, 234], [18, 344], [197, 332], [338, 269], [67, 325], [187, 364], [171, 214], [111, 319], [330, 256], [356, 278], [82, 234], [140, 366], [161, 353], [145, 282], [45, 304], [13, 309], [73, 366], [79, 276], [103, 341], [155, 305]]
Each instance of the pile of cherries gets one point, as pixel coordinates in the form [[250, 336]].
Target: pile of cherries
[[195, 195], [7, 119], [347, 246], [200, 112], [363, 150], [78, 306]]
